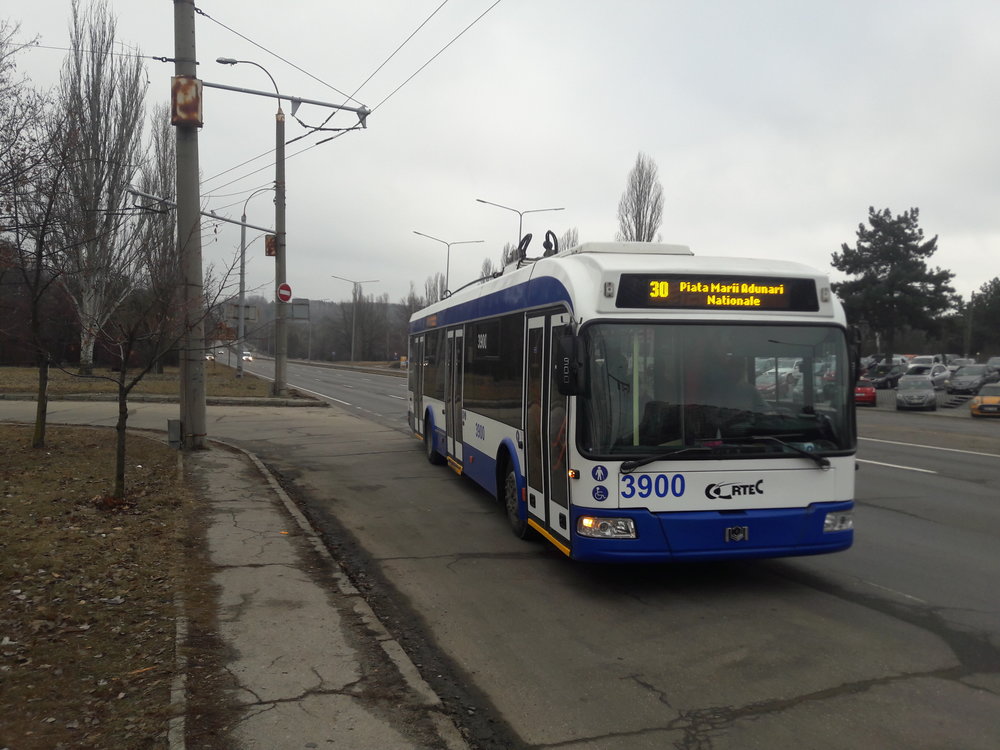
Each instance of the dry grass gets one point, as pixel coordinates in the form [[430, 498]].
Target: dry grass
[[220, 380], [87, 596]]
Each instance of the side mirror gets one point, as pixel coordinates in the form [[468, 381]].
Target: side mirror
[[567, 366]]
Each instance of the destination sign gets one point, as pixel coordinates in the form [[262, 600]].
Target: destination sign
[[702, 292]]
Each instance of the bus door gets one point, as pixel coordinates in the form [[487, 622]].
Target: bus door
[[416, 374], [546, 422], [453, 393]]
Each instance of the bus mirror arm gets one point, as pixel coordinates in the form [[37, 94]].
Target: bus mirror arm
[[567, 366]]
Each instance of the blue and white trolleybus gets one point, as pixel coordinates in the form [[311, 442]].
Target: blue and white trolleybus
[[636, 402]]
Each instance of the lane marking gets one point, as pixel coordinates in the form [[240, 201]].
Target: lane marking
[[931, 447], [893, 591], [323, 395], [895, 466], [399, 397]]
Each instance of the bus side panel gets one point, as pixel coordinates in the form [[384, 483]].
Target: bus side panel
[[484, 440]]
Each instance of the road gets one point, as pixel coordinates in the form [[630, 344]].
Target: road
[[892, 644]]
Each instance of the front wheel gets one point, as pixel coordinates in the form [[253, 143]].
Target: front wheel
[[512, 503], [433, 456]]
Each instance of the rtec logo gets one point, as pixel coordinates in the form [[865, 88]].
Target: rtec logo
[[729, 490]]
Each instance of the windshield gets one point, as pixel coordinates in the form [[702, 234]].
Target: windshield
[[917, 384], [971, 370], [655, 387], [990, 390]]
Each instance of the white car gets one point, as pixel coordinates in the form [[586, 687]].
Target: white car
[[247, 357]]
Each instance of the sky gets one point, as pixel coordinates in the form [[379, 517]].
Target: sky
[[774, 125]]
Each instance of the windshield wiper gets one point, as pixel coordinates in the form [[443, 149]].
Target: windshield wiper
[[822, 461], [635, 463]]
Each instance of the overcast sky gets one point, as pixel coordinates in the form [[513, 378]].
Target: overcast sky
[[774, 124]]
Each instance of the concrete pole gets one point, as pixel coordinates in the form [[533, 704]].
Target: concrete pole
[[241, 326], [192, 353], [281, 319]]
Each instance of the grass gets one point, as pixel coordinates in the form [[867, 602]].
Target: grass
[[87, 595], [220, 380]]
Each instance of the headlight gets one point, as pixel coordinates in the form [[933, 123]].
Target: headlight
[[606, 528], [840, 521]]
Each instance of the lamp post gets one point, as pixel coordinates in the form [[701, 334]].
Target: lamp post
[[281, 314], [447, 265], [241, 325], [355, 294], [520, 214]]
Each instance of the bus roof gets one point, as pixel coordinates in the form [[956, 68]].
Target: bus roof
[[586, 279]]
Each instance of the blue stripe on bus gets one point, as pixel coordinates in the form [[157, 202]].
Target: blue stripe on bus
[[534, 293], [700, 535]]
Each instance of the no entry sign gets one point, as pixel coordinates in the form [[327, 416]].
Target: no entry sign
[[284, 292]]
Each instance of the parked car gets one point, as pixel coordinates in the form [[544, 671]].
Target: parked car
[[994, 362], [970, 378], [954, 364], [886, 376], [776, 382], [210, 357], [916, 392], [927, 359], [864, 393], [247, 357], [987, 403], [936, 372]]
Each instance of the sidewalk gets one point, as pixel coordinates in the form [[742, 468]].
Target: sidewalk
[[313, 666]]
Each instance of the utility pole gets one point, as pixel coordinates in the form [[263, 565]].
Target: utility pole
[[186, 116], [279, 386]]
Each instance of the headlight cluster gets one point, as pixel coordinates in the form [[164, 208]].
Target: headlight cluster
[[606, 528], [840, 521]]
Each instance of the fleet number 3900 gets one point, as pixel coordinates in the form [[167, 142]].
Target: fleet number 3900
[[652, 485]]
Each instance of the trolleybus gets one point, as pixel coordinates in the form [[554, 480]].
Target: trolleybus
[[636, 402]]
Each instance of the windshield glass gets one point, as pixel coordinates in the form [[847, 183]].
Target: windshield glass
[[971, 370], [654, 387], [990, 390], [918, 384]]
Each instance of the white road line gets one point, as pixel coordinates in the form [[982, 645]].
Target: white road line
[[893, 591], [896, 466], [323, 395], [399, 397], [930, 447]]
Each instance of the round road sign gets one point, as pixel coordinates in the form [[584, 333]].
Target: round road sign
[[284, 292]]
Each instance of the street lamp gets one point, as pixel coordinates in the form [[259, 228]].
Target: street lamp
[[281, 314], [447, 266], [520, 214], [241, 327], [356, 294]]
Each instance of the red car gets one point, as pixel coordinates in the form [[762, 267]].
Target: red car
[[864, 393]]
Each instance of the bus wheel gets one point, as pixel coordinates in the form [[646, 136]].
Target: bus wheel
[[511, 504], [432, 455]]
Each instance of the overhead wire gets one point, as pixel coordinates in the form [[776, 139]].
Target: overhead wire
[[349, 97], [200, 12]]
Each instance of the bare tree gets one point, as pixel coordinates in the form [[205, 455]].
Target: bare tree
[[570, 238], [640, 210], [487, 269], [31, 172], [159, 251], [434, 288], [101, 97], [508, 255]]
